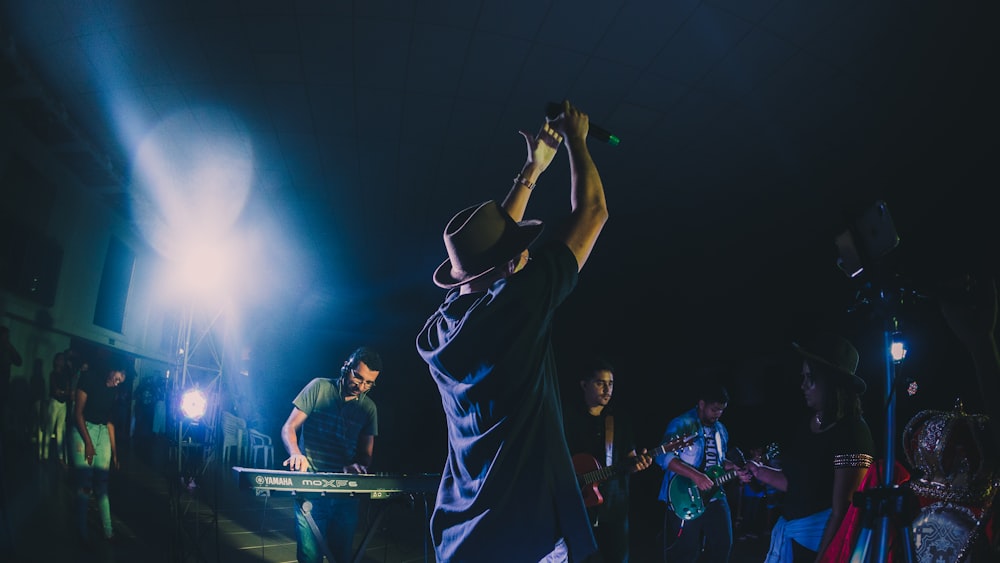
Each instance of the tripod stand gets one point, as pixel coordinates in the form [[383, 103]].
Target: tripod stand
[[887, 504]]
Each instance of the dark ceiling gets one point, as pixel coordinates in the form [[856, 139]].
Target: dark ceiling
[[751, 132]]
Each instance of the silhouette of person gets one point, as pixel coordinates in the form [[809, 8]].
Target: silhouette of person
[[488, 348], [39, 401], [54, 421], [9, 356]]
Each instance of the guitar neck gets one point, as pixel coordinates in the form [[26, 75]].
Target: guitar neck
[[599, 475], [725, 477], [728, 476], [608, 472]]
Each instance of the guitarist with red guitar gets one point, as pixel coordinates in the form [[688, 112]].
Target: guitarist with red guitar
[[601, 439], [693, 524]]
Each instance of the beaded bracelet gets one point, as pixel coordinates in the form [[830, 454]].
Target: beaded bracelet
[[519, 179]]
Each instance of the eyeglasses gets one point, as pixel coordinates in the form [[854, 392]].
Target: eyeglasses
[[362, 381]]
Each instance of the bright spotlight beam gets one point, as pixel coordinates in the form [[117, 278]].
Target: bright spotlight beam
[[192, 177], [194, 404]]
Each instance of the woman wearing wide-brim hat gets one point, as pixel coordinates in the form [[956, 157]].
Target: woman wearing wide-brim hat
[[828, 458]]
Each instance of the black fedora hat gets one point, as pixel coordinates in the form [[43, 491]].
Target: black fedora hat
[[480, 238], [835, 352]]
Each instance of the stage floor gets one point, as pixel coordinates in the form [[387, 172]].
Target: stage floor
[[158, 520]]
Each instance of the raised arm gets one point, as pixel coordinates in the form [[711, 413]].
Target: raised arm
[[589, 211], [542, 149]]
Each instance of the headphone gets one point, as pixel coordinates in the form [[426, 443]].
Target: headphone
[[343, 376]]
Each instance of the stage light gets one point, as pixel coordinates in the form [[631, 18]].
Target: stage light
[[898, 351], [194, 404]]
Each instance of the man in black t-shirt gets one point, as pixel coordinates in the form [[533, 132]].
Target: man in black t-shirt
[[603, 446], [508, 491]]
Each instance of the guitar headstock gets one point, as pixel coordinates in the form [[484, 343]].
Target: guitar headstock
[[674, 444], [771, 452], [765, 454], [679, 442]]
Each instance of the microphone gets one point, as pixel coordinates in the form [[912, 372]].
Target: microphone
[[553, 110]]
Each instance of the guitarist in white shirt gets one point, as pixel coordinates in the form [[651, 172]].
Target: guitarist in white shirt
[[694, 522], [600, 437]]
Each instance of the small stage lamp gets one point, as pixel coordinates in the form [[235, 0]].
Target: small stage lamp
[[193, 404], [898, 350]]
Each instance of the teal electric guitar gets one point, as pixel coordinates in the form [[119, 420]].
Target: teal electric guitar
[[688, 502]]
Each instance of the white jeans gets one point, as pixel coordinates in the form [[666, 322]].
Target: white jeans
[[54, 423]]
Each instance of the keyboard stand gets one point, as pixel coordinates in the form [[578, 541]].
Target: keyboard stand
[[320, 538], [379, 486], [404, 499]]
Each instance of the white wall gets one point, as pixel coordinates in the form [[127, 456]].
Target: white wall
[[82, 225]]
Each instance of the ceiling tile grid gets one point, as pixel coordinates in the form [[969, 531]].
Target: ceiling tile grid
[[737, 110]]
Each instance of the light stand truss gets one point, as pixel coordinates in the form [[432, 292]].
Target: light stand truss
[[201, 349]]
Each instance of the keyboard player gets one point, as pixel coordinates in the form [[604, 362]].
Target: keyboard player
[[332, 428]]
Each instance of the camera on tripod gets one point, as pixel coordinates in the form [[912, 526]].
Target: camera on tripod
[[864, 249], [885, 508], [868, 238]]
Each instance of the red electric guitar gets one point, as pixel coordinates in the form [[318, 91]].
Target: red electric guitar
[[589, 472]]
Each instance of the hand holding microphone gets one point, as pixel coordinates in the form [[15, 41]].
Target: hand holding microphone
[[554, 109]]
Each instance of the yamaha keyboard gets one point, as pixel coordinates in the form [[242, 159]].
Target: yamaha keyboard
[[378, 485]]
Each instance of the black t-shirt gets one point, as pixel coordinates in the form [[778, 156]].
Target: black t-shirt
[[100, 398], [808, 464], [59, 381], [585, 435], [507, 489]]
